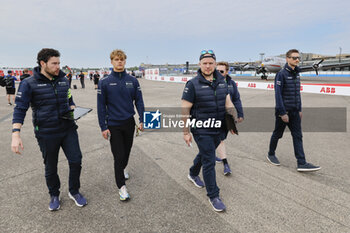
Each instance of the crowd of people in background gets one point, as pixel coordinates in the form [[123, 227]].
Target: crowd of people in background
[[9, 81]]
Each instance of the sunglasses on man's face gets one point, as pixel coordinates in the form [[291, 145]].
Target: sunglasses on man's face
[[207, 52], [295, 58], [221, 71]]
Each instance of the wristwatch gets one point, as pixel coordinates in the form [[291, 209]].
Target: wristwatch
[[16, 130]]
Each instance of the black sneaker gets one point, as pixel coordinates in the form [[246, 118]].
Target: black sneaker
[[273, 160], [308, 167]]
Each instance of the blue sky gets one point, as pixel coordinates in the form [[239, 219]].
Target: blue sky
[[159, 32]]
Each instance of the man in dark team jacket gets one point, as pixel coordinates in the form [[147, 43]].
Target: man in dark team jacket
[[206, 99], [48, 94], [115, 102], [223, 68], [25, 74], [289, 112]]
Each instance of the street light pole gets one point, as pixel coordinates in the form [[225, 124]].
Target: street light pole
[[262, 56], [339, 54]]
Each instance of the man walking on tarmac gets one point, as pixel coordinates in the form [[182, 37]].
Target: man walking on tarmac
[[82, 79], [116, 96], [223, 68], [288, 112], [206, 99], [10, 87], [48, 93]]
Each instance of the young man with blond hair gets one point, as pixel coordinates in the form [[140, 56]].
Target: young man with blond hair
[[116, 95]]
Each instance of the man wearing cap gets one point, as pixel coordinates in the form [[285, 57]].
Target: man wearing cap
[[205, 100], [10, 87]]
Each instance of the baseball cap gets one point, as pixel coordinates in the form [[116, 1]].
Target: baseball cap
[[207, 53]]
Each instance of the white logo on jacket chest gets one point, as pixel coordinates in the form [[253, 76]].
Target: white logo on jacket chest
[[113, 84], [42, 85], [129, 85]]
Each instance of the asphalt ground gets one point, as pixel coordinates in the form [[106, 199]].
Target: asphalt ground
[[259, 197]]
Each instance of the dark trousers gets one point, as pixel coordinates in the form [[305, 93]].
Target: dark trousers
[[121, 142], [82, 81], [50, 146], [294, 126], [207, 145]]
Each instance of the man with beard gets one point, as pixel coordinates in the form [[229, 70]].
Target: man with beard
[[288, 112], [48, 94], [206, 98]]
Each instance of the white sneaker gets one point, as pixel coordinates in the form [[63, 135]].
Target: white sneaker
[[123, 193], [126, 175]]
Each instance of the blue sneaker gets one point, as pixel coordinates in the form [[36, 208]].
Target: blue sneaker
[[217, 204], [273, 160], [54, 203], [196, 180], [218, 160], [308, 167], [78, 199], [227, 170]]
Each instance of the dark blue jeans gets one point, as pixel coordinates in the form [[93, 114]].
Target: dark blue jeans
[[50, 146], [294, 126], [207, 145]]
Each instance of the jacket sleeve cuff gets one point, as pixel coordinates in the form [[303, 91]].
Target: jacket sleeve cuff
[[103, 128], [14, 121], [282, 113]]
